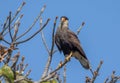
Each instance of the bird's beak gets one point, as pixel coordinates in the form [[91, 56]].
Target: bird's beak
[[63, 20]]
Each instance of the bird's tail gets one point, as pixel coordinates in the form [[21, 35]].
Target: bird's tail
[[83, 60]]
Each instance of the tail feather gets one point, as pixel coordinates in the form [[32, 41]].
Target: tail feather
[[84, 61]]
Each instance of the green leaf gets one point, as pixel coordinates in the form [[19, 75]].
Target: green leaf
[[7, 72], [51, 81]]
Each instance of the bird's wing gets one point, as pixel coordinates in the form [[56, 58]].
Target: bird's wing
[[58, 41], [75, 42], [79, 53]]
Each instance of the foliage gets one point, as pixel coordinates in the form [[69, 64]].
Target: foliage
[[7, 72]]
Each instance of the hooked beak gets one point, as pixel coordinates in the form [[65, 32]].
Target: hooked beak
[[63, 20]]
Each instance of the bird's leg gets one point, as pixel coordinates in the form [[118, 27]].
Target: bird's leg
[[69, 56], [66, 60]]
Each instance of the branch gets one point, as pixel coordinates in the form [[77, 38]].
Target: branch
[[64, 74], [22, 64], [27, 74], [33, 34], [17, 12], [6, 41], [79, 29], [16, 26], [114, 78], [106, 80], [25, 67], [17, 22], [42, 10], [53, 73], [96, 72], [5, 23], [43, 38], [15, 60], [50, 53], [9, 27]]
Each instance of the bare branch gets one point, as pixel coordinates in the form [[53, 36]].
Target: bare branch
[[64, 74], [53, 73], [48, 77], [27, 74], [42, 10], [87, 79], [5, 23], [60, 66], [50, 53], [22, 64], [43, 38], [16, 22], [79, 29], [17, 12], [25, 67], [16, 26], [106, 80], [114, 78], [15, 59], [6, 41], [53, 39], [24, 78], [96, 72], [9, 27], [33, 34]]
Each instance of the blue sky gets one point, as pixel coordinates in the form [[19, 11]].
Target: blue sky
[[99, 37]]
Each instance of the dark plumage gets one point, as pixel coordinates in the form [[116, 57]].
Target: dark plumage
[[67, 42]]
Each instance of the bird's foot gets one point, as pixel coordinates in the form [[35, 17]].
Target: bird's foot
[[68, 57], [60, 64]]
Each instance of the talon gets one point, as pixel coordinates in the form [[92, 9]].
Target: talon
[[60, 64], [68, 57]]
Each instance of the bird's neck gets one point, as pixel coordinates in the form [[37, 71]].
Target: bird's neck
[[64, 25]]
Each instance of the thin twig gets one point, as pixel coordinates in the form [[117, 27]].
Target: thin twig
[[96, 72], [16, 26], [28, 73], [64, 74], [44, 42], [25, 67], [21, 64], [5, 23], [33, 34], [43, 37], [59, 67], [16, 22], [79, 29], [15, 59], [24, 78], [106, 80], [53, 73], [42, 10], [6, 41], [17, 12], [51, 52], [53, 39], [9, 27]]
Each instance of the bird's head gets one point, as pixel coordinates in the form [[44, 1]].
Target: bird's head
[[64, 21]]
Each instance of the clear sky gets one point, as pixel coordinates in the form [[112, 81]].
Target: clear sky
[[99, 37]]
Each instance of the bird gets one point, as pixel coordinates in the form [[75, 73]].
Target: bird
[[68, 43]]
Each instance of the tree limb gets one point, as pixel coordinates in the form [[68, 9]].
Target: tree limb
[[42, 10], [33, 34], [50, 53]]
